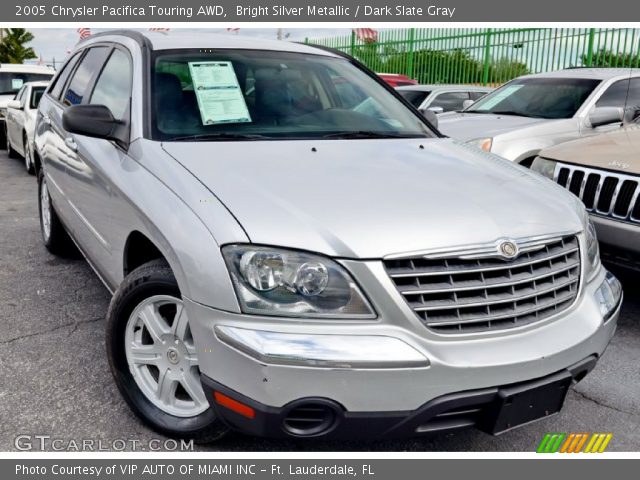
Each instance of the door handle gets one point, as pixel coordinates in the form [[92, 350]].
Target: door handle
[[71, 143]]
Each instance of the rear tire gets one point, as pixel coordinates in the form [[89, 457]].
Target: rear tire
[[10, 151], [153, 359], [54, 236]]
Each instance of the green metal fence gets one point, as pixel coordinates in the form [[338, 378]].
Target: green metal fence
[[489, 56]]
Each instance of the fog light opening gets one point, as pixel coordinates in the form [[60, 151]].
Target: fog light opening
[[311, 418]]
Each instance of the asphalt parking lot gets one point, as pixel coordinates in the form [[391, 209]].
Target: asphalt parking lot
[[55, 379]]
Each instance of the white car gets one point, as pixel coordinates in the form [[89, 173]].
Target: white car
[[20, 120], [12, 78]]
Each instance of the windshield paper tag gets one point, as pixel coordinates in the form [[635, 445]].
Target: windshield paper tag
[[500, 96], [16, 83], [219, 96]]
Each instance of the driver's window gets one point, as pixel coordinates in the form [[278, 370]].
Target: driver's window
[[623, 94], [615, 95]]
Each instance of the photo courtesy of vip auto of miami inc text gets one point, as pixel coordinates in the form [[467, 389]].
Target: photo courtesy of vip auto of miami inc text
[[325, 239]]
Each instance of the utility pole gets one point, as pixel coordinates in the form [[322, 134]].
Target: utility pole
[[280, 34]]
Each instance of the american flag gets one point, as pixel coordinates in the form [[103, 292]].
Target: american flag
[[159, 29], [232, 29], [367, 35], [84, 33]]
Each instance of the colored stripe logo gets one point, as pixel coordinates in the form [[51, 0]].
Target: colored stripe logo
[[574, 442]]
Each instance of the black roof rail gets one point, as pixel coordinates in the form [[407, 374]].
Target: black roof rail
[[138, 37]]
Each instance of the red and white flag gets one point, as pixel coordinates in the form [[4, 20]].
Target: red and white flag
[[367, 35], [159, 29], [84, 33], [232, 29]]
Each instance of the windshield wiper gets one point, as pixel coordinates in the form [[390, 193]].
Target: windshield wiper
[[517, 114], [216, 136], [369, 134]]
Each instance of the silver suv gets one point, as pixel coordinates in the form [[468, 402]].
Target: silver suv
[[538, 111], [285, 265]]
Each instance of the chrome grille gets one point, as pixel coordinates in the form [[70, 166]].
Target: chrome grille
[[603, 193], [474, 290]]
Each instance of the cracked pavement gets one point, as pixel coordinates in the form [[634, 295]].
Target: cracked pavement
[[55, 379]]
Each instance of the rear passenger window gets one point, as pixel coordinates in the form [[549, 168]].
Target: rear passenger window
[[477, 95], [113, 88], [56, 88], [450, 101], [90, 63]]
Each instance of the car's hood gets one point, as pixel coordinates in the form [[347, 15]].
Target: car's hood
[[469, 126], [617, 150], [371, 198]]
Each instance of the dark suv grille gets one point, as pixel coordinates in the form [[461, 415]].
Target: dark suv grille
[[454, 293], [603, 193]]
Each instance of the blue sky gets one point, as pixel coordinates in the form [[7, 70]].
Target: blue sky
[[53, 43]]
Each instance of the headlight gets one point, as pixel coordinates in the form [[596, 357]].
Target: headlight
[[608, 295], [274, 281], [482, 143], [546, 168], [593, 252]]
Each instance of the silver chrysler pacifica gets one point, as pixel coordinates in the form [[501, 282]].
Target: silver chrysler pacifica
[[287, 263]]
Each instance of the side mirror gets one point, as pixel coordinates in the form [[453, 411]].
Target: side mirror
[[14, 104], [605, 116], [436, 110], [467, 103], [430, 116], [95, 121]]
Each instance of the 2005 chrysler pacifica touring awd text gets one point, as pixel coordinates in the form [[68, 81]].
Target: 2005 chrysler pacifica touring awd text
[[287, 263]]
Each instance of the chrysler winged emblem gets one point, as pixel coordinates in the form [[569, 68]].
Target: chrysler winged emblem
[[508, 249]]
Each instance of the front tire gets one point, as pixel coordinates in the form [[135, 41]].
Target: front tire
[[153, 357], [28, 159], [54, 236]]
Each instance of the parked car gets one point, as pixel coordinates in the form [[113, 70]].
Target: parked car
[[538, 111], [280, 264], [397, 79], [604, 172], [442, 98], [12, 78], [21, 120]]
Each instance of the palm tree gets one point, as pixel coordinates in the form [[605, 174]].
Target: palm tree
[[12, 47]]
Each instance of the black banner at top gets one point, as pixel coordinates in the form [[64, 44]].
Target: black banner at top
[[353, 11]]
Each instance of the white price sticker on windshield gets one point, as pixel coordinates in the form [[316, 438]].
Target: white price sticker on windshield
[[218, 93], [16, 83]]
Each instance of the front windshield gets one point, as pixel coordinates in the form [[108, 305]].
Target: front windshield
[[537, 97], [239, 94], [11, 82]]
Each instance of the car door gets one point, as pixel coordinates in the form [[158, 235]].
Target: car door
[[61, 152], [92, 162], [15, 118], [47, 141]]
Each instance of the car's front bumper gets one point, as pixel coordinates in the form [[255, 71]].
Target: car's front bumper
[[454, 363], [493, 410]]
